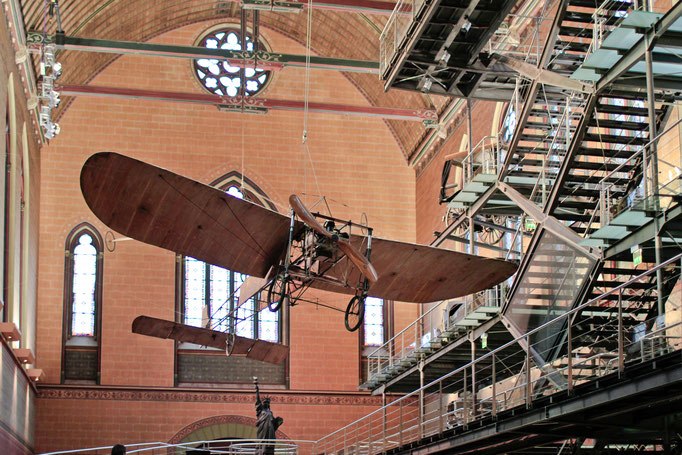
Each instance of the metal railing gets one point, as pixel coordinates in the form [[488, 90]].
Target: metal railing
[[217, 446], [599, 337], [483, 158], [643, 195], [601, 27], [395, 31], [430, 331], [507, 39]]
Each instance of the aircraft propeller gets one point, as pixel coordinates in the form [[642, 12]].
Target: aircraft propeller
[[360, 261]]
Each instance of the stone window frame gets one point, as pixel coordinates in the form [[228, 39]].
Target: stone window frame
[[69, 341]]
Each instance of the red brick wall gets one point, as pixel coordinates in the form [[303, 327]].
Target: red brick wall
[[358, 165], [128, 416]]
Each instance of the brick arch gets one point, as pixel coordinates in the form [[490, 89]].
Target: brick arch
[[232, 425], [335, 33]]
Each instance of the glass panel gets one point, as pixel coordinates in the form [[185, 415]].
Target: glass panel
[[220, 297], [374, 321], [195, 291], [84, 279], [268, 325], [548, 289], [245, 314]]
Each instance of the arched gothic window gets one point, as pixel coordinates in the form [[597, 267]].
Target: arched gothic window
[[82, 304], [509, 124], [210, 294]]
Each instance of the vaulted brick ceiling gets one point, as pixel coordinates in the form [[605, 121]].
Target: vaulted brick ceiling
[[348, 35]]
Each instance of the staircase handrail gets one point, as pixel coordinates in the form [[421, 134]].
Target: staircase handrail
[[389, 350], [549, 150], [402, 7], [605, 186], [468, 161]]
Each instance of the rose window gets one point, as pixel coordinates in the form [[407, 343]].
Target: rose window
[[218, 76]]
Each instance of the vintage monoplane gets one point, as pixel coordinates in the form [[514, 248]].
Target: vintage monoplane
[[284, 254]]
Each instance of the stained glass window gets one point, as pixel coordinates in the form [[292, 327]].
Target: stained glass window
[[218, 76], [211, 296], [374, 322], [83, 287], [82, 305]]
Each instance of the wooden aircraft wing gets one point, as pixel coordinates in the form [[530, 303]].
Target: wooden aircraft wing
[[254, 349], [418, 273], [170, 211]]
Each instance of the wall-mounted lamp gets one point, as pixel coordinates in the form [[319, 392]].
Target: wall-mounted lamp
[[10, 331], [36, 374], [50, 70], [25, 356]]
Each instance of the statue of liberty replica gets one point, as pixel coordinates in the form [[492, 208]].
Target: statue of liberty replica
[[267, 423]]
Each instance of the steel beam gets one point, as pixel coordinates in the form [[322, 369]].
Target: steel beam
[[542, 75], [359, 6], [421, 25], [270, 61], [656, 389], [249, 104], [548, 222], [454, 31], [637, 52]]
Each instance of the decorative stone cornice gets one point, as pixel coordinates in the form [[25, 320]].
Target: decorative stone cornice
[[47, 391]]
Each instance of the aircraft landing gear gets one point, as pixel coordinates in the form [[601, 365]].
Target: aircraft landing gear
[[277, 292], [355, 312]]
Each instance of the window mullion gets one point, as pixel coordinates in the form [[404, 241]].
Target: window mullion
[[256, 316], [207, 294], [232, 324]]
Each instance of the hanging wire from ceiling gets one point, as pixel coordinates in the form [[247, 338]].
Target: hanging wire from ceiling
[[305, 104], [242, 87]]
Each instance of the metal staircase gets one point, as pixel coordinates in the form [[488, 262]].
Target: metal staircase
[[575, 161], [437, 46], [550, 116]]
